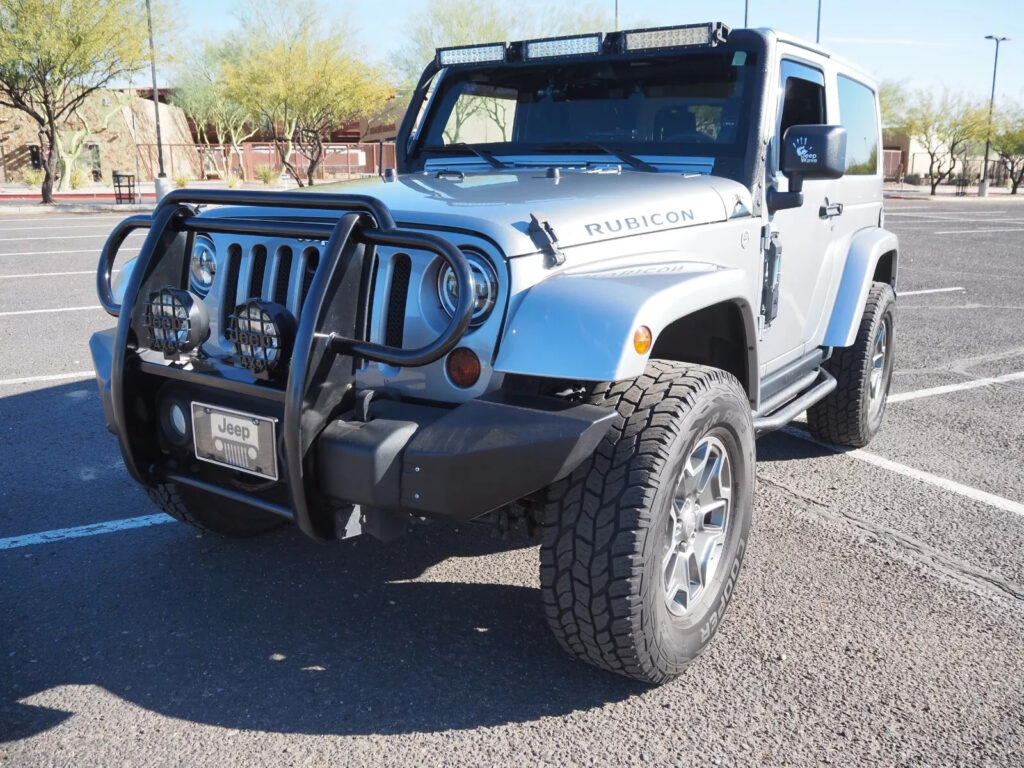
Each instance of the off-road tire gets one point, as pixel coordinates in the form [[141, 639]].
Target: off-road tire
[[845, 416], [600, 547], [212, 513]]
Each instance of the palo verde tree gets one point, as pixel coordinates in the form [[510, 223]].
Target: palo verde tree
[[300, 82], [203, 95], [944, 127], [1008, 143], [54, 53]]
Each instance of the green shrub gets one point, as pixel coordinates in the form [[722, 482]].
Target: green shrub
[[79, 176], [912, 178], [33, 177], [267, 174], [234, 182], [181, 180]]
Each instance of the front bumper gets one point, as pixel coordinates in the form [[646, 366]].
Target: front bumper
[[424, 460]]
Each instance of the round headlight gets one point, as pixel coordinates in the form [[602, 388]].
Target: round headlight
[[177, 322], [204, 264], [485, 287]]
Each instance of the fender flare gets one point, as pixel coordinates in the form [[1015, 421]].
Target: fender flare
[[581, 325], [866, 249]]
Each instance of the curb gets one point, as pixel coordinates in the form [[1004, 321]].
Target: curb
[[41, 210]]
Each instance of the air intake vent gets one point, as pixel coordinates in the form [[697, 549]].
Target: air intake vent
[[231, 272], [396, 302], [259, 269]]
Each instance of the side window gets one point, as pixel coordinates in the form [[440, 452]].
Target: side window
[[803, 96], [857, 114]]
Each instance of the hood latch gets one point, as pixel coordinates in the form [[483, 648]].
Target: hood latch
[[544, 237]]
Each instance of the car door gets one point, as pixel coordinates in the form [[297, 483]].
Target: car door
[[800, 235]]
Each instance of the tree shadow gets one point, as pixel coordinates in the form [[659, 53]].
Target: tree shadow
[[278, 633]]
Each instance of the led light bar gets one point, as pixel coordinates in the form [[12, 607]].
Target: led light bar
[[577, 45], [668, 37], [471, 54]]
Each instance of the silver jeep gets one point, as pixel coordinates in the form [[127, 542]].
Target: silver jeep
[[605, 264]]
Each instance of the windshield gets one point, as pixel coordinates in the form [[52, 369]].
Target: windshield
[[691, 105]]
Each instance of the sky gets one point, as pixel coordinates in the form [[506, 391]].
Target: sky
[[925, 43]]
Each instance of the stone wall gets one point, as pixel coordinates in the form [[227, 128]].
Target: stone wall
[[127, 143]]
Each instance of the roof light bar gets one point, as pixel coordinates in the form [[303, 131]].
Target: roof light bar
[[672, 37], [471, 54], [577, 45]]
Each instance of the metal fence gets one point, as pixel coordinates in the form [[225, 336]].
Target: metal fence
[[197, 161]]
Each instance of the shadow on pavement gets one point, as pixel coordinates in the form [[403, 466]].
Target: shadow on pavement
[[277, 633]]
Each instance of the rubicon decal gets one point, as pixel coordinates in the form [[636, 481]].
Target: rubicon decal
[[646, 221]]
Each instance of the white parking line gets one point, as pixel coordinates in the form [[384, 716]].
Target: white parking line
[[48, 228], [48, 377], [53, 237], [47, 218], [946, 388], [44, 311], [976, 231], [929, 290], [60, 534], [1007, 505], [52, 274], [56, 253]]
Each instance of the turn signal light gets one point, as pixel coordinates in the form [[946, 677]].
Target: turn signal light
[[463, 367], [642, 340]]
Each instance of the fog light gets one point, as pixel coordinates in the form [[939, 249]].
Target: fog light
[[642, 340], [174, 421], [176, 321], [463, 367], [262, 333]]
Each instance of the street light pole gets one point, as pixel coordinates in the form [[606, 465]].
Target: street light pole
[[161, 180], [817, 37], [983, 186], [746, 13]]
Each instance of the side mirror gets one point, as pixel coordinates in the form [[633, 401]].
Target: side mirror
[[808, 152]]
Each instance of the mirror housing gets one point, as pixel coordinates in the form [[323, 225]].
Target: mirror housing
[[808, 152]]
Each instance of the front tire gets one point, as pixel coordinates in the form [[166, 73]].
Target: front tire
[[852, 413], [643, 543]]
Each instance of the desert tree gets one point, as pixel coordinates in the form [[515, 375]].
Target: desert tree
[[1008, 144], [55, 53], [944, 126]]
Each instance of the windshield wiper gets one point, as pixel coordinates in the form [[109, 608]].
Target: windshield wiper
[[462, 147], [628, 159]]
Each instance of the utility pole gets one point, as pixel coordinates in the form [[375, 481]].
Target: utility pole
[[983, 186], [616, 15], [817, 37], [161, 180]]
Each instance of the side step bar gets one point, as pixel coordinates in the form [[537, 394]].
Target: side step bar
[[823, 384]]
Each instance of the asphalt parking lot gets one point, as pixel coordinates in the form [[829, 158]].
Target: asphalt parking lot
[[879, 620]]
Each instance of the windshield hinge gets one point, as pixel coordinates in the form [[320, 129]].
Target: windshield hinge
[[544, 237]]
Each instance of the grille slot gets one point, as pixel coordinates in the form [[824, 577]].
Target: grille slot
[[282, 277], [400, 273], [231, 272], [259, 269], [310, 261]]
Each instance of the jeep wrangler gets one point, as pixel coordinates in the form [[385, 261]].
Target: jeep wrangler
[[603, 266]]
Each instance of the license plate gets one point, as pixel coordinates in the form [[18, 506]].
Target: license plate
[[242, 441]]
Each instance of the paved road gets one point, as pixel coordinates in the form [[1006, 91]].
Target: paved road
[[879, 621]]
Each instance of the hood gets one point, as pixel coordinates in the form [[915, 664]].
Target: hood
[[581, 207]]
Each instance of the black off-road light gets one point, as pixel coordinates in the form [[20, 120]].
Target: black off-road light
[[176, 321], [262, 333]]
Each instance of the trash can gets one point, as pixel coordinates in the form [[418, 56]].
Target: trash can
[[124, 187]]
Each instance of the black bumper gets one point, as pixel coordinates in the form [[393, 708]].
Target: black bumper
[[456, 463]]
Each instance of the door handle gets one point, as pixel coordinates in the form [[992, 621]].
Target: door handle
[[828, 210]]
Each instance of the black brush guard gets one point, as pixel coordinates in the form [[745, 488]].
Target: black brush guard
[[332, 326]]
